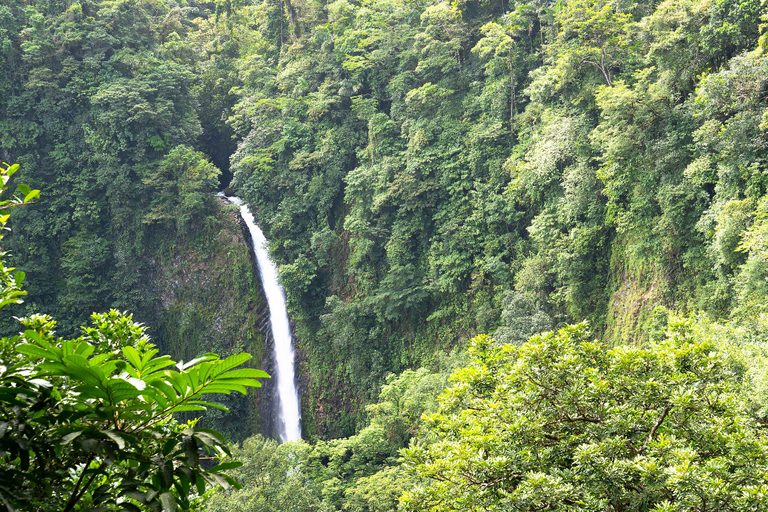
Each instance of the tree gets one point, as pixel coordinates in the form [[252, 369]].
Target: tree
[[273, 480], [592, 46], [563, 423], [594, 32], [502, 44], [180, 187], [87, 423]]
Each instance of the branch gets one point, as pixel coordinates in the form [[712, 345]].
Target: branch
[[601, 66], [656, 427], [75, 498], [652, 433]]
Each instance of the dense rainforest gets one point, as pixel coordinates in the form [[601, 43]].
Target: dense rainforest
[[425, 171]]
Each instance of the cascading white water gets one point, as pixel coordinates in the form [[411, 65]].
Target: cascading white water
[[290, 412]]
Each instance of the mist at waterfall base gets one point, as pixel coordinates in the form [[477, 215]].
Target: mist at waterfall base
[[288, 397]]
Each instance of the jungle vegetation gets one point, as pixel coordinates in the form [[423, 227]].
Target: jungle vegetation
[[426, 172], [89, 423]]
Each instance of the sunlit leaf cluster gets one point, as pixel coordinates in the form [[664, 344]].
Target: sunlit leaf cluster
[[88, 423]]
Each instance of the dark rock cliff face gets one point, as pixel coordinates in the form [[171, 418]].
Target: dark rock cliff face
[[209, 299]]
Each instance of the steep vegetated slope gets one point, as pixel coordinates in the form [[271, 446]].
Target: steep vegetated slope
[[425, 171], [100, 103], [100, 109], [430, 170]]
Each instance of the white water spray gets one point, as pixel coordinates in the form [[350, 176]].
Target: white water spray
[[290, 412]]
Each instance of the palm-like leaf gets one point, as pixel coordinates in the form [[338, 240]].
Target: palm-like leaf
[[115, 411]]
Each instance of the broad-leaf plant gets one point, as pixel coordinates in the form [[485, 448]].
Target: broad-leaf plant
[[88, 423]]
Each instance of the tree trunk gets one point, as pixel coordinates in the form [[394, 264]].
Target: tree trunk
[[511, 94], [294, 19]]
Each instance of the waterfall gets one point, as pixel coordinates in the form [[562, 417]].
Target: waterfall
[[288, 397]]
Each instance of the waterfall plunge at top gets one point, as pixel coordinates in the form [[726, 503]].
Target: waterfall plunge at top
[[290, 413]]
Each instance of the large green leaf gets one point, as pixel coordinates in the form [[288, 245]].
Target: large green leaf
[[247, 373], [230, 362]]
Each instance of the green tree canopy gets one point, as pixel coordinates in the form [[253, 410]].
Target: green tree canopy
[[562, 423]]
